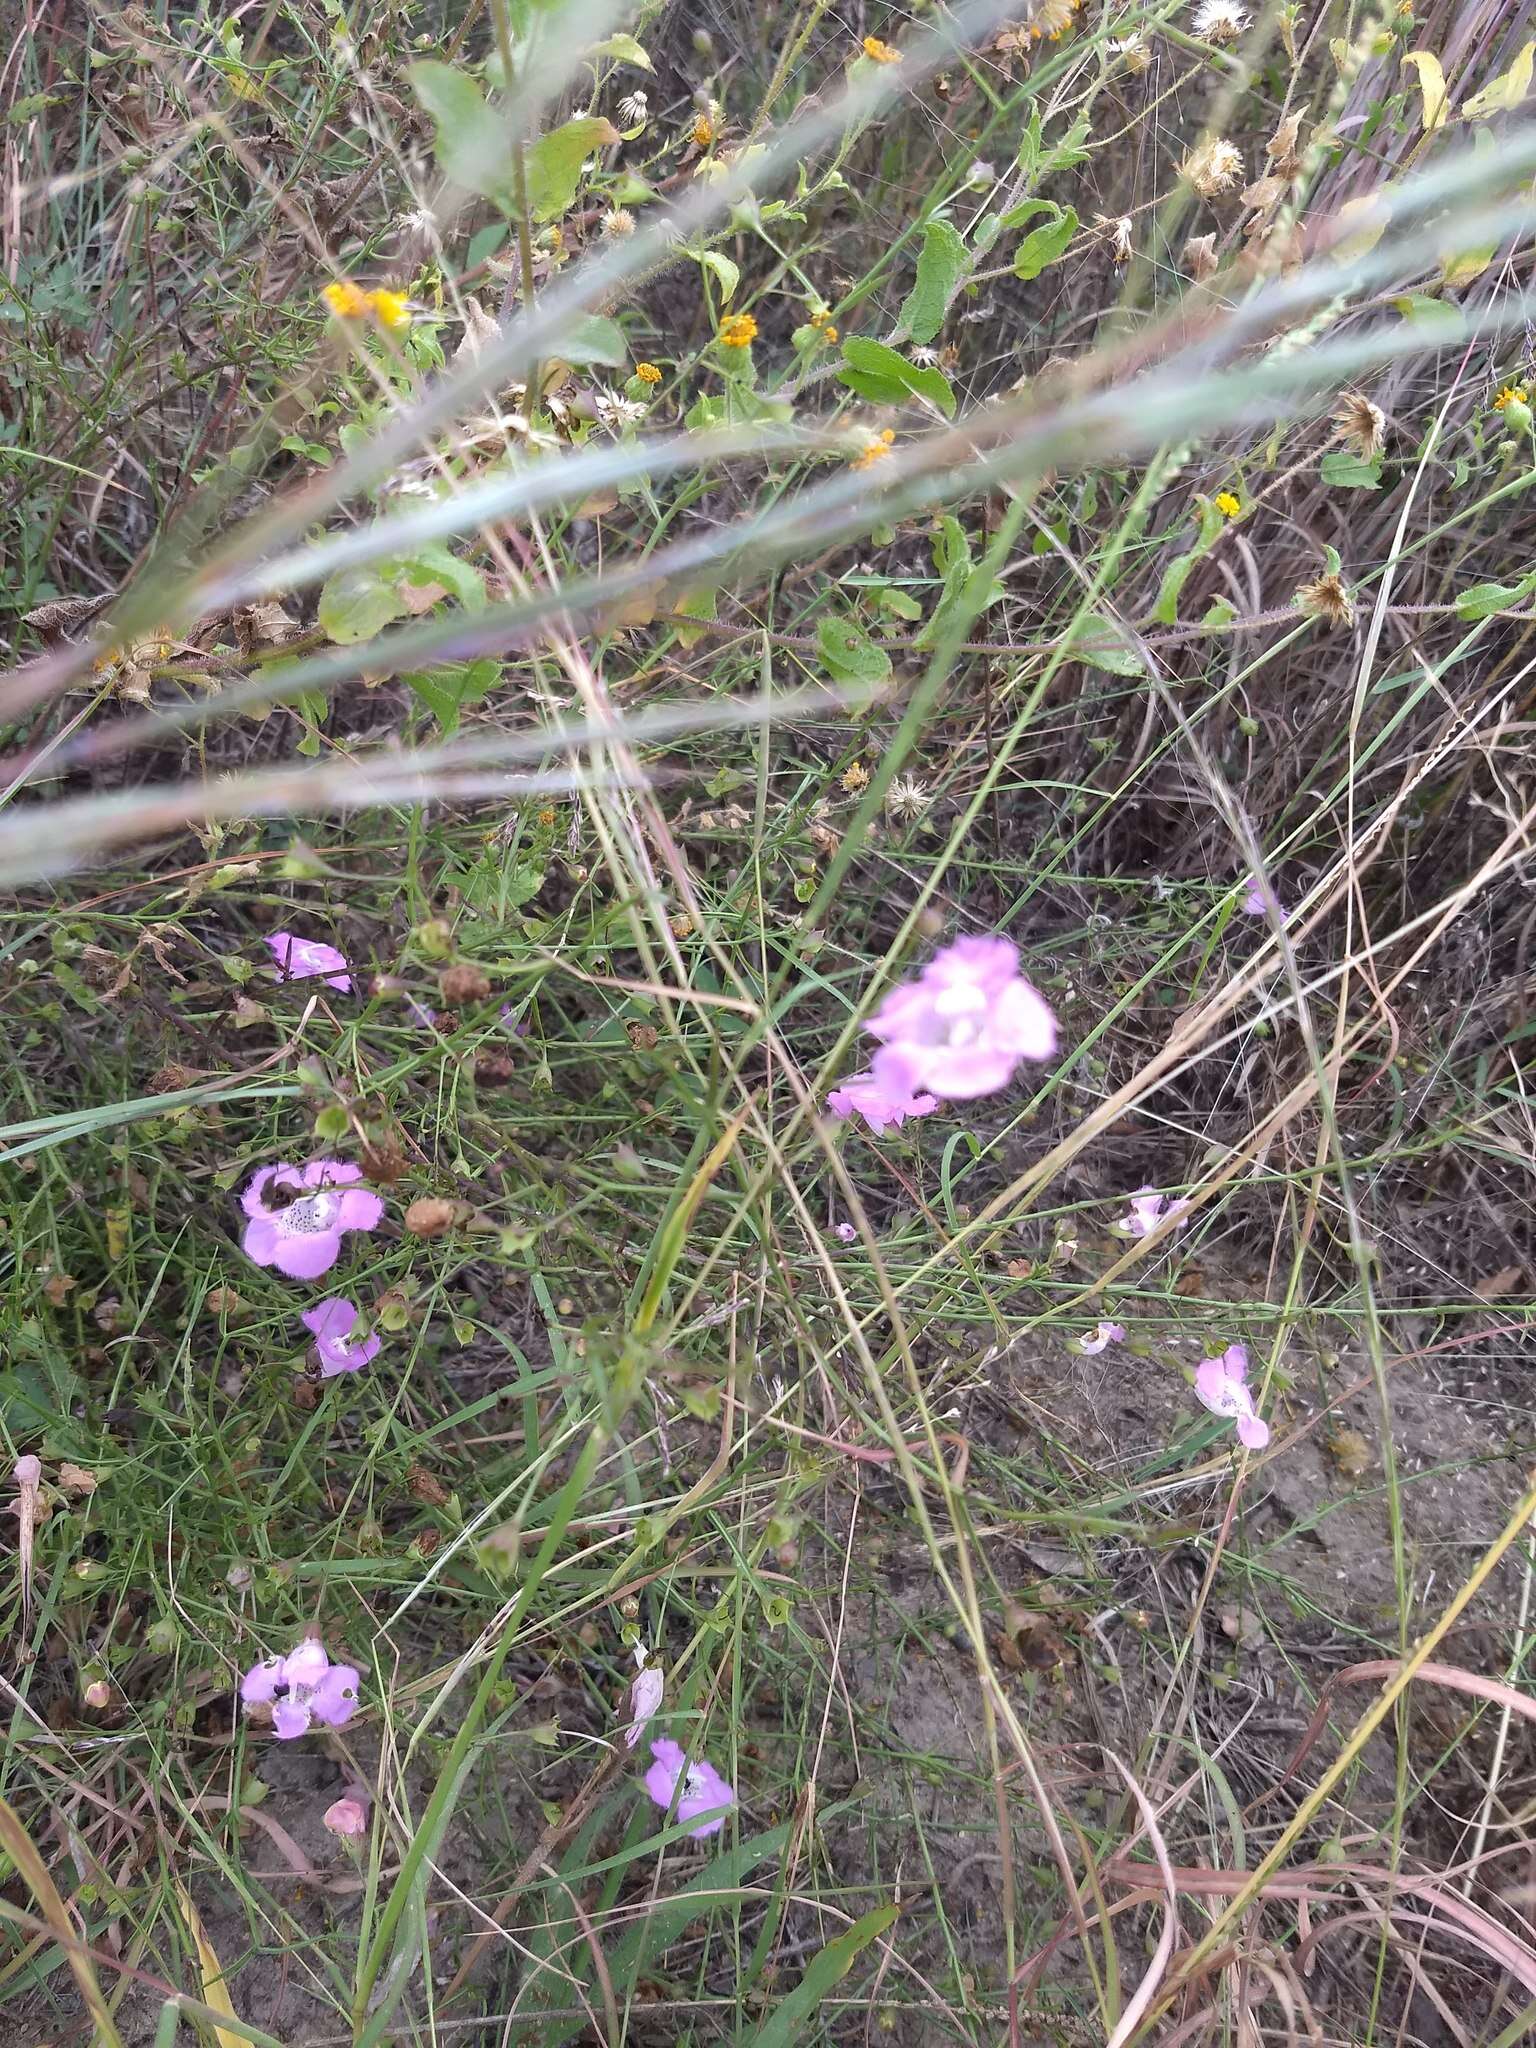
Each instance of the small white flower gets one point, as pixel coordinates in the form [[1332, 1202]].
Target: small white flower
[[925, 358], [907, 797], [616, 411], [1219, 21]]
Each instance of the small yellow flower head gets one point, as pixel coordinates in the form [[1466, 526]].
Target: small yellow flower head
[[880, 53], [648, 373], [738, 330], [1050, 19], [390, 309], [1512, 394], [702, 133], [348, 301], [1228, 504], [829, 334], [875, 449]]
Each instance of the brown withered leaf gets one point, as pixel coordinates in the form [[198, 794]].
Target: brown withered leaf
[[1504, 1281]]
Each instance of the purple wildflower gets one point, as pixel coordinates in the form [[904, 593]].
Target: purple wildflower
[[304, 1240], [302, 959], [301, 1688], [963, 1026], [1221, 1383], [696, 1788], [882, 1109], [332, 1323], [1106, 1333], [1148, 1209], [645, 1696]]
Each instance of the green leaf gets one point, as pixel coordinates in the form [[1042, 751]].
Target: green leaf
[[445, 691], [625, 49], [941, 264], [357, 603], [1045, 245], [1110, 652], [1427, 312], [879, 374], [848, 653], [1484, 598], [1166, 611], [726, 273], [555, 161], [436, 564], [594, 338], [473, 147], [1345, 472], [790, 2020], [1221, 613]]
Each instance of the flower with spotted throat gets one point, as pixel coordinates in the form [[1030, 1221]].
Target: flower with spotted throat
[[700, 1795], [303, 1240], [302, 1688], [1221, 1384], [738, 330], [880, 53], [962, 1027]]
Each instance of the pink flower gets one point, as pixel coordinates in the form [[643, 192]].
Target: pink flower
[[1221, 1384], [1257, 899], [302, 959], [696, 1788], [1107, 1333], [333, 1322], [645, 1696], [301, 1688], [963, 1026], [348, 1815], [1147, 1209], [304, 1240], [845, 1232], [881, 1108]]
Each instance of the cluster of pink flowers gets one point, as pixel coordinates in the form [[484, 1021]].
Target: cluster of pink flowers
[[302, 1688], [957, 1032]]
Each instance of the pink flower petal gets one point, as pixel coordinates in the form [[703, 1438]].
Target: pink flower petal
[[360, 1210], [301, 1257]]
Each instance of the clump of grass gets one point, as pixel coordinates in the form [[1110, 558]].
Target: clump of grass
[[633, 536]]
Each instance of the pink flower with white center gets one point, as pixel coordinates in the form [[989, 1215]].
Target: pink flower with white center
[[302, 959], [302, 1688], [339, 1349], [696, 1788], [883, 1109], [1104, 1335], [963, 1026], [645, 1696], [1147, 1211], [303, 1240], [1221, 1383]]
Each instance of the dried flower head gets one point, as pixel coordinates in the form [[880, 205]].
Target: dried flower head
[[1213, 167], [1327, 597], [618, 221], [1134, 52], [1200, 257], [738, 330], [907, 798], [1219, 21], [880, 53], [1360, 425], [634, 110], [1116, 230]]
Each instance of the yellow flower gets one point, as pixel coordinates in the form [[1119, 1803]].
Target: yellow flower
[[348, 301], [1051, 19], [1228, 504], [738, 330], [391, 309], [875, 449], [855, 778], [702, 132], [1512, 394], [829, 334], [648, 373], [880, 53]]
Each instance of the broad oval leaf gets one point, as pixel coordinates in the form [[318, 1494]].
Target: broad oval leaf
[[1436, 101], [848, 653], [1342, 471], [885, 377], [472, 146], [555, 161], [942, 263], [1045, 245], [356, 603]]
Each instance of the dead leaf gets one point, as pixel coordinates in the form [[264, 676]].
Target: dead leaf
[[1505, 1281], [1435, 100], [75, 1479], [1349, 1453]]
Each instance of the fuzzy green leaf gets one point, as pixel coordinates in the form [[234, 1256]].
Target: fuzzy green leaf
[[848, 653], [555, 161], [941, 265], [1045, 245], [1342, 471], [472, 145], [357, 603], [884, 377]]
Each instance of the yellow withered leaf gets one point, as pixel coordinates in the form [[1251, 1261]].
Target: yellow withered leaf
[[1437, 103], [1505, 92]]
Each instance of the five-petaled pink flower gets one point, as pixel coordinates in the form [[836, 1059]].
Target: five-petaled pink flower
[[1147, 1211], [302, 1688], [1221, 1383], [1105, 1334], [333, 1322], [963, 1026], [697, 1788], [883, 1109], [304, 1239], [302, 959], [1256, 899]]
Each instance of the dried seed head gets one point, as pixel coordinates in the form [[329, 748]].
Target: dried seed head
[[1284, 147], [1219, 21], [1134, 53], [1117, 232], [1360, 425], [1327, 598], [1214, 167]]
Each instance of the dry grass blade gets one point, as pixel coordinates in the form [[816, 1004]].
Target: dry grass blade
[[19, 1846], [1141, 1999]]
